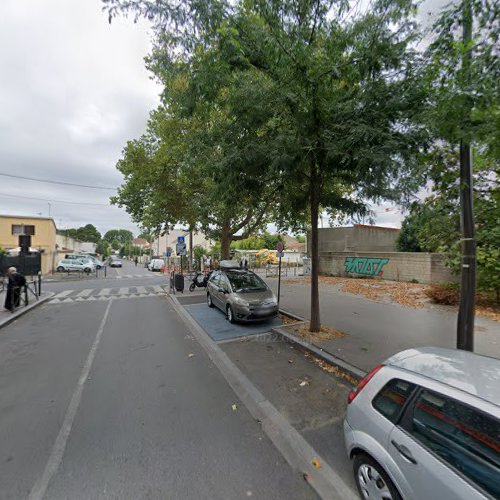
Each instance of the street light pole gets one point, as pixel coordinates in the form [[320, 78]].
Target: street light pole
[[465, 323]]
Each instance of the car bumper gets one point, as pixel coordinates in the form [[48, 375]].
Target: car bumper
[[257, 314]]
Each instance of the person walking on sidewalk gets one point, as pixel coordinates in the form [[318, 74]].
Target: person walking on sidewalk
[[136, 260], [16, 282]]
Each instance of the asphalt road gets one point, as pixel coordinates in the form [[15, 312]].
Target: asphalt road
[[102, 400]]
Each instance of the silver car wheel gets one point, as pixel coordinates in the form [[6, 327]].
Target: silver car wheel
[[372, 484], [209, 300], [230, 314]]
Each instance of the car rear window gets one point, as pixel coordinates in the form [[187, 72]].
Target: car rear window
[[462, 436], [391, 399]]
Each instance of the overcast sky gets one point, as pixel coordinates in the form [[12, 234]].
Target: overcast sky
[[73, 90]]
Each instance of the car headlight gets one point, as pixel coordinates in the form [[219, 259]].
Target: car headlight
[[241, 302], [270, 302]]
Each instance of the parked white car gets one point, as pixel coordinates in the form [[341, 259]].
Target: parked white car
[[425, 425], [156, 264], [66, 265]]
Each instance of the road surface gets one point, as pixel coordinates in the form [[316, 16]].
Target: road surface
[[112, 398]]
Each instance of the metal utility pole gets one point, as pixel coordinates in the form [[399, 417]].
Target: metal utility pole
[[465, 324], [190, 248]]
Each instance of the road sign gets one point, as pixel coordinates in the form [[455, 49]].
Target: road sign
[[280, 255], [167, 254], [180, 248], [279, 247], [180, 239]]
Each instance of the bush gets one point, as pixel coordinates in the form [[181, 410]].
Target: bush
[[446, 294]]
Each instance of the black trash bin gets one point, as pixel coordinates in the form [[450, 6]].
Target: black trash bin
[[179, 282]]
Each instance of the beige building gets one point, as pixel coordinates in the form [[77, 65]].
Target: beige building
[[169, 240], [43, 236]]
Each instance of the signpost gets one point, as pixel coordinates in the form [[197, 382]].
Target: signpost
[[279, 250], [180, 248]]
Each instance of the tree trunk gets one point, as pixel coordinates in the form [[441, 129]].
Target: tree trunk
[[225, 241], [315, 323]]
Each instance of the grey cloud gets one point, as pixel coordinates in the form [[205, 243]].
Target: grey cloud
[[74, 89]]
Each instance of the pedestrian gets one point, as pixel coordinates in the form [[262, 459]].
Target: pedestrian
[[136, 260], [16, 282]]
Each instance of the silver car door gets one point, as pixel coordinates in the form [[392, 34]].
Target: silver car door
[[427, 449]]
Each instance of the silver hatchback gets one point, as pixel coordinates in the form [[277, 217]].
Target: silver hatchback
[[241, 295], [426, 425]]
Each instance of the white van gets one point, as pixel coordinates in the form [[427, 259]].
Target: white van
[[156, 264]]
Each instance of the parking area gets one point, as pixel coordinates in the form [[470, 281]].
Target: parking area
[[312, 399], [214, 321]]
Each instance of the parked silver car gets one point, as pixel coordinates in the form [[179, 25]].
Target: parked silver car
[[242, 295], [426, 425], [68, 265]]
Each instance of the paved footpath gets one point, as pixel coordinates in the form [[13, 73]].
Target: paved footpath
[[114, 399], [377, 330]]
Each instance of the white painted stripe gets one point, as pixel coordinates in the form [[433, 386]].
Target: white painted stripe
[[85, 293], [40, 487], [141, 289], [104, 291], [158, 289], [124, 290], [63, 294]]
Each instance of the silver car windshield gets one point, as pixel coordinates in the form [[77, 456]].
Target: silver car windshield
[[245, 282]]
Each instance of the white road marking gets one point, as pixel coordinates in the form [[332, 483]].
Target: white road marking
[[40, 487], [104, 291], [158, 289], [124, 291], [63, 294], [141, 289], [85, 293]]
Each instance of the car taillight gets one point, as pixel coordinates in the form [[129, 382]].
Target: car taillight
[[362, 383]]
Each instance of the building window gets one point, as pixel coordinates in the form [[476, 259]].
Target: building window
[[21, 229]]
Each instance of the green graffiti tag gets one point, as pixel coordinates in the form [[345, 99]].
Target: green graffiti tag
[[365, 265]]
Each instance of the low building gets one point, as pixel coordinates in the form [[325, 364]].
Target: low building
[[161, 245], [141, 243], [67, 245], [42, 231]]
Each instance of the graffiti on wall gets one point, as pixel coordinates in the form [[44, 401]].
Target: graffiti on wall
[[365, 265]]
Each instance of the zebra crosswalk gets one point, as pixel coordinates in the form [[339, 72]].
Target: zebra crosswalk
[[150, 275], [93, 294]]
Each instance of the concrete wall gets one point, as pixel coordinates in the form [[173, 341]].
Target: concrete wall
[[397, 266], [358, 238]]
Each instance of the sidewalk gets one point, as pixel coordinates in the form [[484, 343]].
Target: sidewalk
[[7, 317], [376, 330]]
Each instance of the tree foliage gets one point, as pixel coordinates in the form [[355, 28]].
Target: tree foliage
[[119, 236], [85, 233], [434, 224], [310, 104]]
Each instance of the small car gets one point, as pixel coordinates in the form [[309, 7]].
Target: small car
[[115, 262], [241, 295], [156, 265], [67, 265], [425, 424]]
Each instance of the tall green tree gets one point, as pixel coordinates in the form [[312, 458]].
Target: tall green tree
[[122, 236], [319, 94]]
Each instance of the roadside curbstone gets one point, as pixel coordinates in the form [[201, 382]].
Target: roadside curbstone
[[10, 317]]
